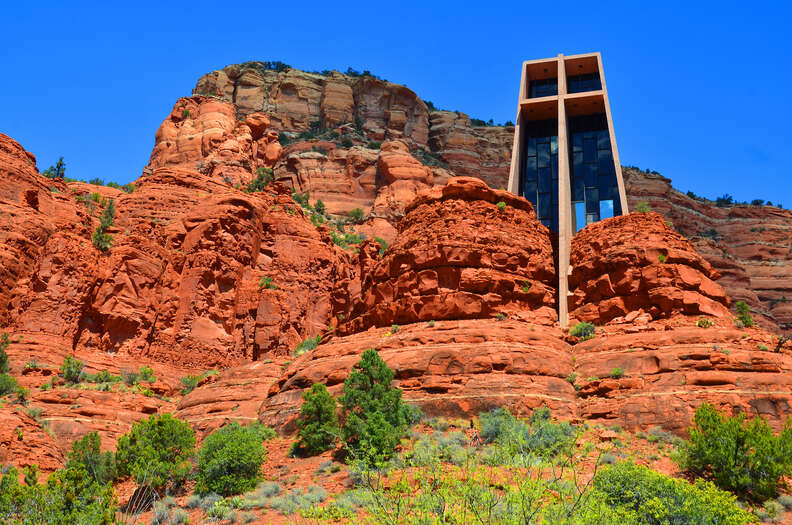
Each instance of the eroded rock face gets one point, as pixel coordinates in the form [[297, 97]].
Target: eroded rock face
[[635, 262], [458, 255], [449, 368], [749, 245]]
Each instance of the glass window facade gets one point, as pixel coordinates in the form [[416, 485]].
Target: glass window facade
[[544, 87], [587, 82], [592, 173], [539, 178]]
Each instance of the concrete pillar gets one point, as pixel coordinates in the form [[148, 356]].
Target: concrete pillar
[[564, 200]]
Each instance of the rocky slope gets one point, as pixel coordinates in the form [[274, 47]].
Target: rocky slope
[[750, 246]]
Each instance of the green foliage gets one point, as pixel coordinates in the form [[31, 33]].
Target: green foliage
[[146, 373], [526, 286], [263, 178], [266, 282], [583, 330], [4, 342], [186, 113], [86, 453], [356, 215], [70, 496], [56, 171], [651, 498], [704, 322], [501, 205], [375, 417], [517, 439], [383, 245], [298, 499], [156, 452], [189, 383], [230, 459], [741, 456], [103, 376], [319, 206], [72, 370], [744, 313], [374, 145], [317, 423], [101, 239], [617, 372], [302, 199], [307, 345], [661, 258], [31, 475], [643, 207]]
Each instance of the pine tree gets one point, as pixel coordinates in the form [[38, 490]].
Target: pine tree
[[318, 422]]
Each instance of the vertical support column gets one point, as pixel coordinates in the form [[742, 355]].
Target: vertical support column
[[564, 200], [516, 156], [612, 133]]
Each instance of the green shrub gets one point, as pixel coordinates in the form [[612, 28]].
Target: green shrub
[[617, 372], [146, 373], [661, 258], [501, 205], [266, 282], [72, 370], [744, 313], [8, 385], [70, 496], [374, 145], [538, 436], [4, 342], [307, 345], [156, 451], [86, 453], [103, 241], [260, 182], [317, 423], [319, 206], [741, 456], [189, 383], [643, 207], [186, 113], [375, 417], [656, 499], [383, 245], [704, 322], [56, 171], [356, 215], [230, 459], [583, 330]]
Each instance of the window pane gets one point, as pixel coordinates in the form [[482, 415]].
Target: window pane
[[545, 179], [530, 168], [592, 200], [530, 149], [580, 216], [605, 185], [543, 151], [545, 206], [529, 188], [578, 186], [591, 218], [590, 174], [577, 142], [589, 151], [606, 209], [603, 139]]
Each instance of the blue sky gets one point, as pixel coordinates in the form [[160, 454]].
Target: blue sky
[[699, 90]]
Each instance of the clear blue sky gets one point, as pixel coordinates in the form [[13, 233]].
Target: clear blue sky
[[699, 91]]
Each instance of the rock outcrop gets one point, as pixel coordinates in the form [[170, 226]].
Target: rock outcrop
[[637, 262], [749, 245]]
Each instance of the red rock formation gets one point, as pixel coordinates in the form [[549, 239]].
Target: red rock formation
[[748, 245], [459, 256], [635, 262], [24, 442], [450, 368]]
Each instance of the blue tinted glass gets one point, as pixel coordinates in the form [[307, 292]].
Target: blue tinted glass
[[589, 151], [554, 166], [577, 162], [529, 188], [589, 135], [547, 222], [590, 174], [554, 192], [605, 165], [543, 151], [530, 168], [577, 142], [591, 218], [603, 140], [578, 189], [605, 187], [545, 179], [554, 145], [605, 154], [606, 209], [592, 200], [545, 206], [617, 210], [530, 149], [580, 216]]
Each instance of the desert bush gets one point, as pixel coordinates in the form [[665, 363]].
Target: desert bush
[[8, 384], [643, 207], [617, 372], [704, 322], [654, 499], [267, 282], [146, 374], [744, 313], [229, 461], [156, 451], [375, 417], [307, 345], [744, 457], [583, 330], [319, 207], [72, 369], [317, 423], [4, 342], [189, 383], [69, 496], [262, 179], [87, 453], [356, 214], [298, 499], [516, 440], [501, 205]]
